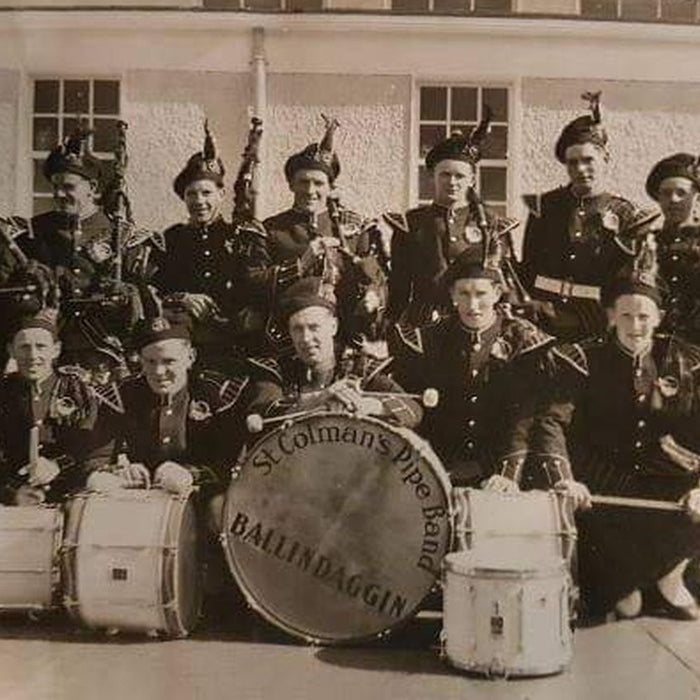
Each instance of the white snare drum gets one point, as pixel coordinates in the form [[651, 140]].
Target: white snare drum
[[30, 538], [336, 526], [526, 525], [506, 620], [130, 561]]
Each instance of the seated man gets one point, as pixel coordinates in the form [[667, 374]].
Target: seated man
[[46, 415], [625, 423], [176, 429], [320, 373], [486, 366]]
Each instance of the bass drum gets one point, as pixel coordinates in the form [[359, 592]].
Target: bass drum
[[336, 526], [130, 561], [30, 538]]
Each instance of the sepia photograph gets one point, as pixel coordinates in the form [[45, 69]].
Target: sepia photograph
[[349, 349]]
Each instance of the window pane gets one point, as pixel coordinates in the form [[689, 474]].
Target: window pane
[[679, 10], [450, 6], [639, 9], [106, 97], [604, 9], [263, 4], [464, 102], [45, 133], [41, 184], [46, 96], [493, 5], [497, 100], [430, 134], [497, 209], [105, 136], [433, 103], [42, 204], [409, 5], [495, 145], [493, 183], [76, 96], [71, 125], [305, 5], [106, 172], [425, 183]]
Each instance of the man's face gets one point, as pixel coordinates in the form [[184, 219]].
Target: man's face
[[166, 363], [312, 331], [452, 180], [586, 165], [676, 197], [204, 200], [475, 301], [34, 350], [73, 194], [311, 189], [635, 317]]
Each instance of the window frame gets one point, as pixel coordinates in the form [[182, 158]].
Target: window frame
[[30, 153], [619, 13]]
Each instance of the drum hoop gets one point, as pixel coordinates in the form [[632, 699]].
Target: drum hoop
[[58, 529], [75, 509], [226, 539]]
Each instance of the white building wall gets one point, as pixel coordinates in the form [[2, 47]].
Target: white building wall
[[9, 103]]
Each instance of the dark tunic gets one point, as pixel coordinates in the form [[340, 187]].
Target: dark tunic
[[64, 410], [487, 383], [271, 261], [608, 415], [277, 385], [579, 244], [422, 248], [678, 251]]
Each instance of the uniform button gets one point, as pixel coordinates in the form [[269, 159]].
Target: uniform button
[[475, 372], [572, 256], [674, 278], [166, 440], [168, 411], [76, 270], [207, 253], [641, 423], [674, 300], [477, 347], [674, 258], [577, 234], [677, 239], [205, 237], [471, 422], [641, 398], [638, 444], [453, 239], [637, 467], [473, 398], [229, 284], [207, 274], [470, 445]]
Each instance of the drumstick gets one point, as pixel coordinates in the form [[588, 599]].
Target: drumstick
[[647, 503], [255, 422], [429, 398]]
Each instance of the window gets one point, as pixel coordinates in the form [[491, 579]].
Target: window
[[447, 108], [665, 10], [59, 105], [266, 5], [453, 6]]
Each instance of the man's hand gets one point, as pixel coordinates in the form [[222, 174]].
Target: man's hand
[[29, 496], [173, 478], [308, 262], [576, 491], [43, 472], [134, 476], [501, 484], [691, 502], [199, 306], [349, 395]]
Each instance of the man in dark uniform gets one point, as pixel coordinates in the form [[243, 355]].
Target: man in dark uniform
[[674, 183], [316, 237], [578, 236], [46, 418], [486, 366], [430, 237], [76, 240], [199, 271], [625, 422], [322, 372]]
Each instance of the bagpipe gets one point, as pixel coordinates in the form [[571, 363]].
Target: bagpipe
[[244, 190]]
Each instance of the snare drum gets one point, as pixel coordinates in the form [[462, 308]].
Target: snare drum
[[30, 538], [130, 561], [336, 526], [534, 525], [506, 618]]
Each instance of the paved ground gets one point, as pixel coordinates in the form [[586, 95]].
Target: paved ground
[[642, 659]]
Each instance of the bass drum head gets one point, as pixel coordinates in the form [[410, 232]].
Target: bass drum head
[[336, 527], [189, 577]]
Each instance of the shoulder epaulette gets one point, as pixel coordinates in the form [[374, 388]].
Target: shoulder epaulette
[[534, 204], [574, 355], [410, 336], [524, 337], [374, 366], [268, 365], [689, 351], [138, 236], [109, 395], [251, 229], [72, 371], [227, 390], [396, 221]]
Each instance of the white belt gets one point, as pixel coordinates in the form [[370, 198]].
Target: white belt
[[565, 288]]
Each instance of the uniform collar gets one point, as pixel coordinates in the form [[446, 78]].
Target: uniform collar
[[638, 358], [482, 337]]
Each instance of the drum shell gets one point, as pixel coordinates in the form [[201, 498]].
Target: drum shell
[[130, 561], [359, 521], [500, 621], [30, 538]]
